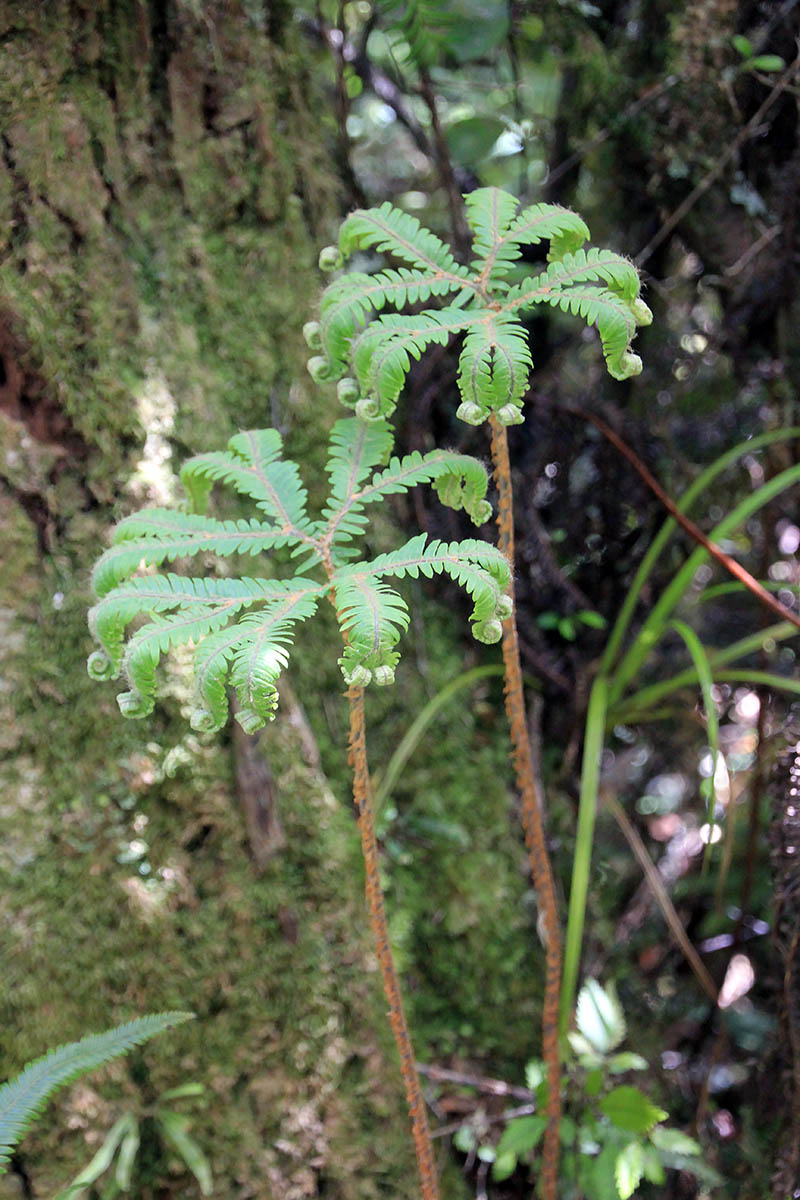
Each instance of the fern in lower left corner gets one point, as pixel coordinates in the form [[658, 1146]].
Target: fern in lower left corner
[[22, 1098], [241, 627]]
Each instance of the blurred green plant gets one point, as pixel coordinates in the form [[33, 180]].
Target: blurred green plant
[[612, 1134], [22, 1098], [121, 1146], [609, 705], [750, 61]]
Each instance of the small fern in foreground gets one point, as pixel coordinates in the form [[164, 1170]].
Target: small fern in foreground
[[483, 305], [241, 627], [22, 1098]]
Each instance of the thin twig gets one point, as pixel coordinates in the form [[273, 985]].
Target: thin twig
[[461, 234], [652, 93], [730, 564], [661, 895], [481, 1083]]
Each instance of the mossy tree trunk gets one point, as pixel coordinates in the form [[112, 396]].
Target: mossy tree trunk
[[164, 180]]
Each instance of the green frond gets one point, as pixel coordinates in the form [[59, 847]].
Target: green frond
[[382, 354], [371, 616], [356, 447], [351, 300], [495, 363], [493, 370], [565, 230], [585, 266], [252, 465], [490, 211], [22, 1098], [461, 482], [157, 535], [500, 236], [394, 232], [478, 567], [143, 652], [249, 654], [613, 318], [152, 594]]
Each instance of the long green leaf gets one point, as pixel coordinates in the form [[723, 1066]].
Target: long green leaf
[[660, 614], [593, 739], [702, 666], [692, 493]]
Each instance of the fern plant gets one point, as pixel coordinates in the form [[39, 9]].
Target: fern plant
[[241, 627], [22, 1098], [366, 343]]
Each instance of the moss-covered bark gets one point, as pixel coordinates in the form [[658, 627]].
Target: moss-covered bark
[[163, 183]]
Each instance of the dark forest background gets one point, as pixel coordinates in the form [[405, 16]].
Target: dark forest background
[[169, 170]]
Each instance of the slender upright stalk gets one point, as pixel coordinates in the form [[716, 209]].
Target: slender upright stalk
[[532, 821], [362, 797]]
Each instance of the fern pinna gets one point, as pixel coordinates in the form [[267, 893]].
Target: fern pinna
[[241, 626], [370, 351]]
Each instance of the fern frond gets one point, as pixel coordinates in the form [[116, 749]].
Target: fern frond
[[494, 368], [252, 465], [565, 230], [478, 567], [356, 447], [585, 266], [382, 354], [460, 480], [157, 535], [490, 211], [153, 594], [395, 232], [250, 654], [495, 361], [613, 318], [351, 300], [371, 616], [499, 236], [23, 1098]]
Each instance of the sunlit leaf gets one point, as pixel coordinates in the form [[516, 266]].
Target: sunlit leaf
[[599, 1016], [629, 1169], [521, 1135], [629, 1109]]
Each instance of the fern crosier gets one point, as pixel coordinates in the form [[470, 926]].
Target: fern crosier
[[241, 627], [371, 350]]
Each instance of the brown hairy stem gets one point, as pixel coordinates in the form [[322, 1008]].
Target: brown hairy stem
[[362, 797], [531, 798]]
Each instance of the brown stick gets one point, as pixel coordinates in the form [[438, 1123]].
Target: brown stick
[[362, 797], [730, 564], [532, 823]]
